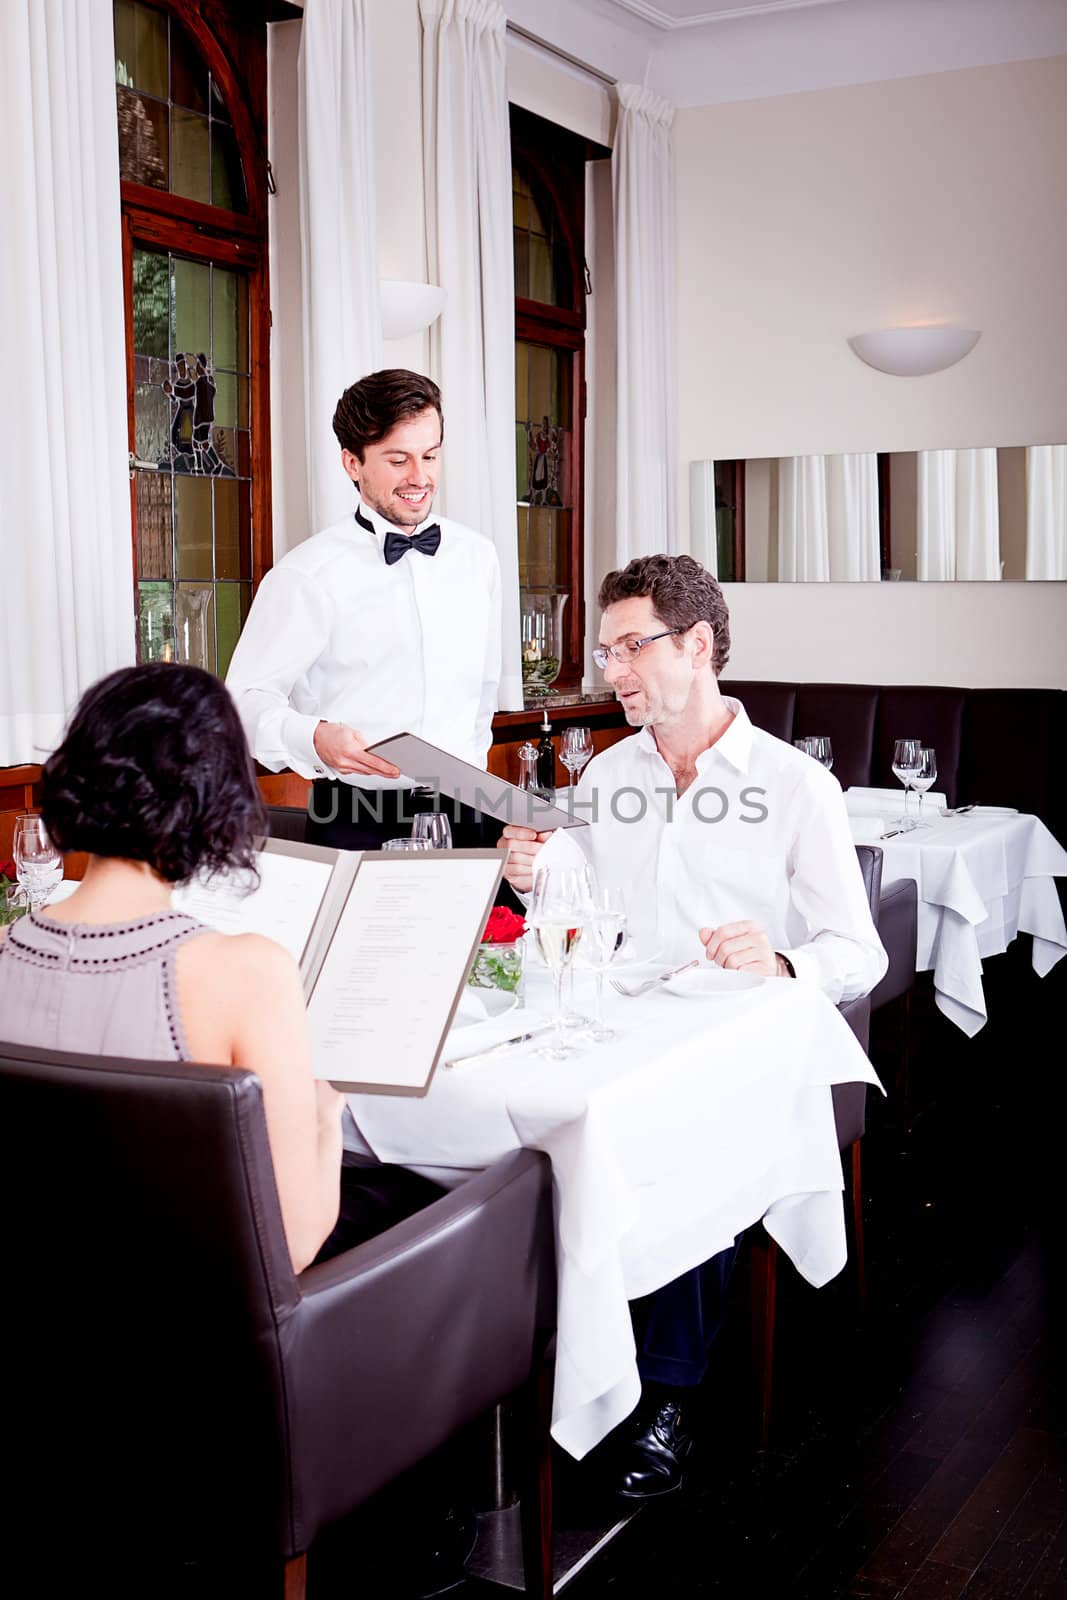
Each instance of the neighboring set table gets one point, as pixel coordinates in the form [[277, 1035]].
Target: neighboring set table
[[705, 1115], [982, 879]]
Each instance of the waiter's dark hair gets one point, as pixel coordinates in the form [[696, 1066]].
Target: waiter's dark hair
[[682, 593], [371, 408], [155, 767]]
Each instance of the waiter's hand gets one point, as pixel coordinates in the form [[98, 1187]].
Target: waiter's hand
[[522, 845], [344, 749], [742, 947]]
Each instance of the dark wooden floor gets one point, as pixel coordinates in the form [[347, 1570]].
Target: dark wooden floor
[[918, 1450]]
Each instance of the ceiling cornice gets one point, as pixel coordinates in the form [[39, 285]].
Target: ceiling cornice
[[661, 19]]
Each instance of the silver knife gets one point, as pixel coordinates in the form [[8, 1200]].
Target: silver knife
[[504, 1044]]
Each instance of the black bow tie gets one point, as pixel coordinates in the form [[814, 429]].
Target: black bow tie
[[398, 544]]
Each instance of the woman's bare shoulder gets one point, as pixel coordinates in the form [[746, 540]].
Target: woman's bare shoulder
[[250, 958]]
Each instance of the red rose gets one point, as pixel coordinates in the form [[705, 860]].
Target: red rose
[[9, 871], [503, 927]]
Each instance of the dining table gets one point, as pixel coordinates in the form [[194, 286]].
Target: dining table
[[709, 1112], [984, 875]]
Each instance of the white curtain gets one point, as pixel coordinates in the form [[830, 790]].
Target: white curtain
[[64, 482], [703, 524], [803, 532], [467, 154], [1046, 511], [827, 519], [958, 515], [828, 528], [852, 518], [642, 165], [338, 229]]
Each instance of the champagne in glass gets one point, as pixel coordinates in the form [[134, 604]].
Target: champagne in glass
[[559, 912]]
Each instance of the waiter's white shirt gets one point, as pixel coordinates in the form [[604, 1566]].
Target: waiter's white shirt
[[775, 848], [336, 635]]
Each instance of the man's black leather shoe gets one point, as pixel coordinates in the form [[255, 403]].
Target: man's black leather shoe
[[652, 1464]]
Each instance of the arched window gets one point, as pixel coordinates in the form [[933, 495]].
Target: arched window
[[191, 104], [548, 215]]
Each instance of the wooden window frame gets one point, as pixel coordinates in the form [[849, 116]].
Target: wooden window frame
[[543, 152], [164, 221]]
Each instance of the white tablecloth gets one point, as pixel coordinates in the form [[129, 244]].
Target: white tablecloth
[[982, 879], [704, 1116]]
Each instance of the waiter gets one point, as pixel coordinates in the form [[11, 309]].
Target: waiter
[[387, 622]]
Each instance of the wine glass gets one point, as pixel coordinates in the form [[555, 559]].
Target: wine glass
[[821, 748], [606, 932], [434, 828], [559, 912], [38, 863], [575, 751], [905, 765], [805, 744], [924, 775]]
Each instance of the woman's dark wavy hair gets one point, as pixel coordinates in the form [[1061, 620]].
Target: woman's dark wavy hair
[[155, 767]]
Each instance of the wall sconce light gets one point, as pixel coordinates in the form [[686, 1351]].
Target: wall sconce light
[[409, 307], [914, 352]]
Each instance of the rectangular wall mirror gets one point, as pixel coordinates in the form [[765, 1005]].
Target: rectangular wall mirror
[[983, 515]]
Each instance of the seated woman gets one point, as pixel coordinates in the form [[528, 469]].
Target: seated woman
[[154, 780]]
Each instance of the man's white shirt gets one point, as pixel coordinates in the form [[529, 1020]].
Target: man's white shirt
[[336, 635], [761, 835]]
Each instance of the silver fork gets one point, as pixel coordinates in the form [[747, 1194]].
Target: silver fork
[[650, 983]]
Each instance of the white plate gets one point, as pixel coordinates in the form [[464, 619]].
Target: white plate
[[703, 983]]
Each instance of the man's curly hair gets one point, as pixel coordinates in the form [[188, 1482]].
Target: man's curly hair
[[682, 592], [155, 767]]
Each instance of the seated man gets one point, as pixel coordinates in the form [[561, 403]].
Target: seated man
[[722, 837]]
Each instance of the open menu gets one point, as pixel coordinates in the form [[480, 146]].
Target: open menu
[[384, 943]]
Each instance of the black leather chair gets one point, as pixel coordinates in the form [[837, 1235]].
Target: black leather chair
[[850, 1120], [287, 822], [174, 1394]]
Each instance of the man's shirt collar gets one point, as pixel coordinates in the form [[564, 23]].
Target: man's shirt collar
[[382, 527], [734, 744]]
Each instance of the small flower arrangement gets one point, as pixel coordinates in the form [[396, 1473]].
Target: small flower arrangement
[[13, 903], [498, 963]]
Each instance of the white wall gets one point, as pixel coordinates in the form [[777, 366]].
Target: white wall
[[806, 218]]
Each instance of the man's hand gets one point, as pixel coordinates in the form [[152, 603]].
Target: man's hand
[[345, 750], [522, 845], [742, 947]]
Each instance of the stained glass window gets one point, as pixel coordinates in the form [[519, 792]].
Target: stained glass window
[[543, 439], [193, 457], [175, 131]]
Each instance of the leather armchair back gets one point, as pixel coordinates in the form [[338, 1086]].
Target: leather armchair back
[[170, 1379]]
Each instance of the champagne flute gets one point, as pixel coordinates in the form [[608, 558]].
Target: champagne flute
[[38, 863], [434, 828], [924, 776], [905, 765], [559, 912], [575, 751], [606, 933]]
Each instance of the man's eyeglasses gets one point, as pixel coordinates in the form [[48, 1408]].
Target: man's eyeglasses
[[628, 649]]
